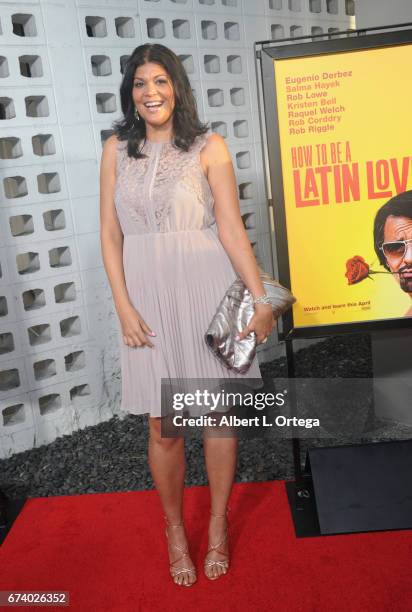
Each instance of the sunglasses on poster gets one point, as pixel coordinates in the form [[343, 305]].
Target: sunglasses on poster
[[395, 249]]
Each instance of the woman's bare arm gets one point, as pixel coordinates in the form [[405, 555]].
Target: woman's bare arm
[[111, 235], [232, 233], [134, 327]]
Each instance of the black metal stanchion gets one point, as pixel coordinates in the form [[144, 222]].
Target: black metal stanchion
[[3, 509], [9, 511], [300, 490], [290, 359]]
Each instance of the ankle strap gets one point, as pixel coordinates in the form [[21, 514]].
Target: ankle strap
[[169, 524], [221, 515]]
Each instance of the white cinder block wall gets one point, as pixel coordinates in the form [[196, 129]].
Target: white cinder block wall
[[60, 70]]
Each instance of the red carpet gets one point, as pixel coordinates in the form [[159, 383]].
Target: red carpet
[[109, 552]]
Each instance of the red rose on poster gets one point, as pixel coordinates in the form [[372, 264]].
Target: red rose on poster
[[356, 270]]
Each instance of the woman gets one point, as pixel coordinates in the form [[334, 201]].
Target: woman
[[165, 182]]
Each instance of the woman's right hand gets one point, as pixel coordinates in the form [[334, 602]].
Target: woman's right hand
[[134, 328]]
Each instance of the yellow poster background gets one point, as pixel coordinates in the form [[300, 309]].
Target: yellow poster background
[[376, 122]]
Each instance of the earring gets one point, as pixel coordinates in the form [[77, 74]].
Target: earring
[[136, 114]]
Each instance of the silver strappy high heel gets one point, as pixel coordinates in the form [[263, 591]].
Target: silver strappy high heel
[[174, 572], [224, 563]]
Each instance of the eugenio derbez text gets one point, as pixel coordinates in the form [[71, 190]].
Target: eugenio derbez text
[[211, 401]]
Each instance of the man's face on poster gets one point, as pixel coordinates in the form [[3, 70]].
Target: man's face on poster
[[398, 254]]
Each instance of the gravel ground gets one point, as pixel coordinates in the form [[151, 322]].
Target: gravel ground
[[112, 456]]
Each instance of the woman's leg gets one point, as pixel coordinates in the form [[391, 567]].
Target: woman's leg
[[167, 465], [221, 459]]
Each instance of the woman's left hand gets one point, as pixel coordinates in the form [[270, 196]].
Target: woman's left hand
[[262, 323]]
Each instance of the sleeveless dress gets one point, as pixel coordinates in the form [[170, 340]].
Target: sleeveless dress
[[176, 270]]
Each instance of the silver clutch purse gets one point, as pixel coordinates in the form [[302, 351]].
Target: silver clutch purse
[[233, 314]]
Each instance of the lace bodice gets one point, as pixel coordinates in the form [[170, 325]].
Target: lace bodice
[[166, 191]]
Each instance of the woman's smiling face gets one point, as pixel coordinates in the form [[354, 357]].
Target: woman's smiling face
[[153, 95]]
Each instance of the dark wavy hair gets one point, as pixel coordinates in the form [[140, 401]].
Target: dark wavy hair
[[398, 206], [186, 123]]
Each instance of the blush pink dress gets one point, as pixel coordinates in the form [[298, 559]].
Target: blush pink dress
[[176, 270]]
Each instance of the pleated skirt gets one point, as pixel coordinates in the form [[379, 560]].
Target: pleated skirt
[[175, 281]]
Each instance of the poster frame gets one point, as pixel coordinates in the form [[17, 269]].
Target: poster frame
[[267, 52]]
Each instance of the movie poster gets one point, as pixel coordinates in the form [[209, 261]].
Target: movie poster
[[346, 150]]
